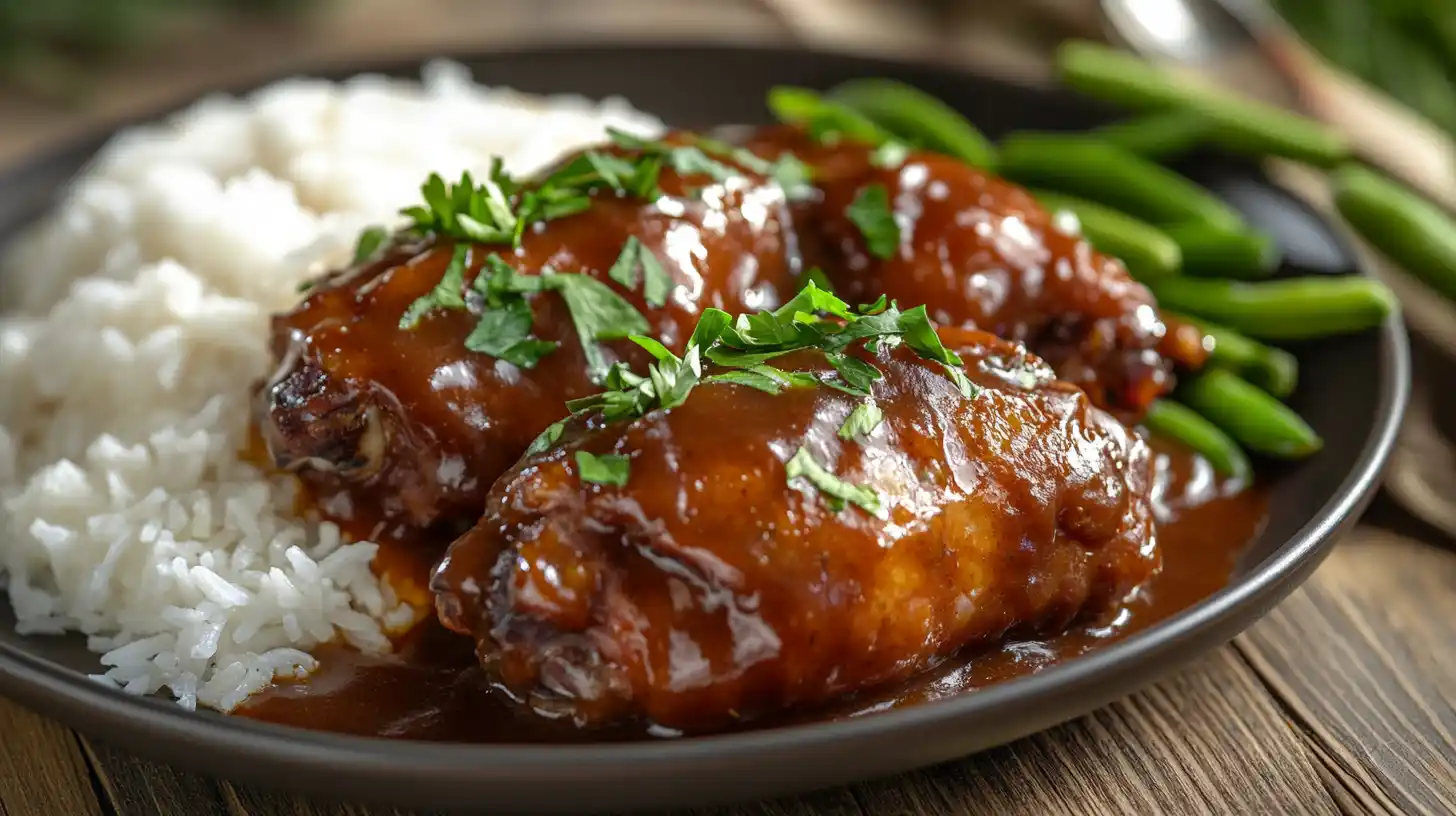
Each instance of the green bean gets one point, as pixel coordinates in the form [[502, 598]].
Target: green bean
[[1158, 136], [1294, 309], [918, 118], [802, 106], [1250, 415], [1218, 252], [1080, 165], [1147, 252], [1410, 231], [1272, 369], [1241, 125], [1180, 423]]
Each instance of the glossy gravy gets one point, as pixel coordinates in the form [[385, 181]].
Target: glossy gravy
[[432, 688]]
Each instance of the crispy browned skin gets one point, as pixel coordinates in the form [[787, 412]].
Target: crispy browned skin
[[414, 427], [708, 588], [980, 252]]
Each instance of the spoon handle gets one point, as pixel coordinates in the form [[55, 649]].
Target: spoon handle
[[1382, 131]]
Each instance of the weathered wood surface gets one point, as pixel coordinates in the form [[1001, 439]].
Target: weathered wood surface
[[1342, 700]]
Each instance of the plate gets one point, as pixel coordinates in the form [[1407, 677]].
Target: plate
[[1353, 392]]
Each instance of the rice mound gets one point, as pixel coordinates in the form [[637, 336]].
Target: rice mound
[[135, 324]]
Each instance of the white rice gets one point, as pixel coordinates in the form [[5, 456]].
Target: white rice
[[136, 320]]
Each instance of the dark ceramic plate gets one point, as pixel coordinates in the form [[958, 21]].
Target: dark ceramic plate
[[1353, 392]]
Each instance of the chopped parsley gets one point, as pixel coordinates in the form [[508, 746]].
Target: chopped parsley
[[744, 347], [504, 328], [498, 209], [481, 213], [890, 155], [607, 469], [546, 438], [862, 421], [882, 303], [598, 314], [792, 176], [766, 378], [870, 211], [814, 320], [449, 293], [787, 171], [371, 240], [688, 159], [637, 264], [836, 491], [505, 319], [855, 375]]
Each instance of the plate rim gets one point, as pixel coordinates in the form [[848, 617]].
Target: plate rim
[[398, 769]]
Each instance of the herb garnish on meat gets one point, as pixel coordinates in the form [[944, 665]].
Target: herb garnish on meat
[[497, 211]]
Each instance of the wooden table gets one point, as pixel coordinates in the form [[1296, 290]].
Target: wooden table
[[1342, 700]]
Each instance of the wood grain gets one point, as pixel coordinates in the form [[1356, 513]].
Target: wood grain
[[42, 770], [1362, 662], [1182, 744], [136, 786]]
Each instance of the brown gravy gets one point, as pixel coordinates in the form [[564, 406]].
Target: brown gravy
[[432, 688]]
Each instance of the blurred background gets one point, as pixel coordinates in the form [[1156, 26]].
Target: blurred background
[[1382, 70], [64, 61]]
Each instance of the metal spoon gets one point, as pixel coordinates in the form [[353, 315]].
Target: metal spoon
[[1197, 32]]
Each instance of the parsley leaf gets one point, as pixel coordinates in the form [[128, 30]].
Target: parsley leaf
[[766, 378], [598, 313], [875, 308], [546, 439], [857, 374], [686, 159], [504, 327], [638, 263], [371, 240], [793, 176], [890, 155], [505, 334], [710, 327], [787, 171], [466, 210], [748, 377], [812, 299], [870, 211], [448, 293], [958, 376], [653, 347], [742, 348], [862, 421], [627, 141], [920, 334], [607, 469], [693, 161], [837, 490]]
